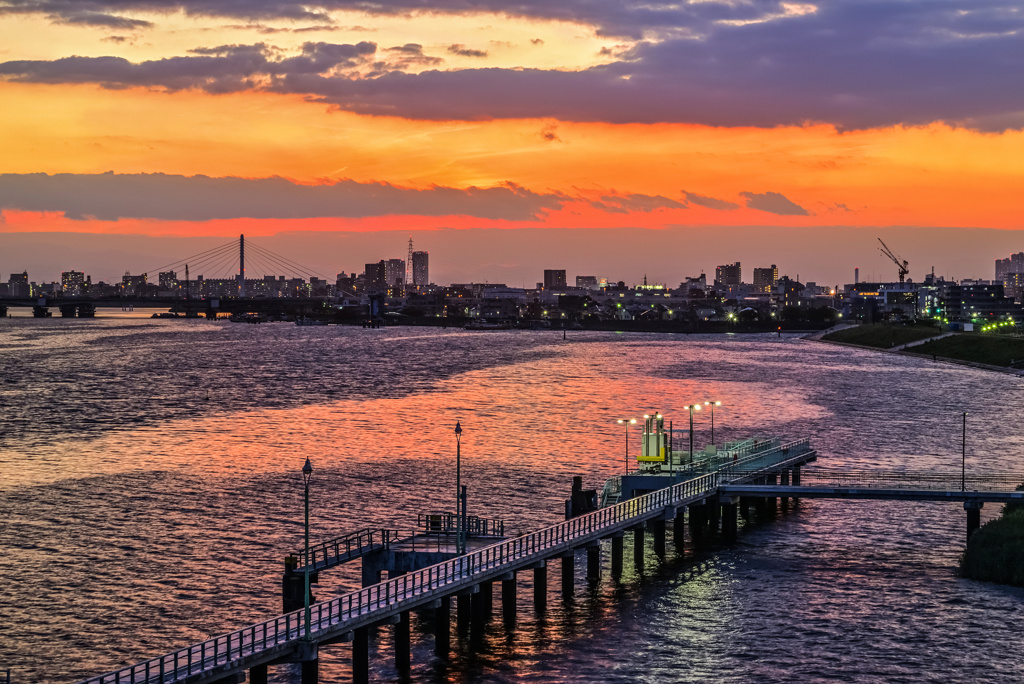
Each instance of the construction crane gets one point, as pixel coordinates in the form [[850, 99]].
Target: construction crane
[[900, 263]]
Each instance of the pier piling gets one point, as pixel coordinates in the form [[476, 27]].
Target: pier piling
[[508, 601], [658, 533], [403, 658], [973, 509], [679, 531], [617, 551], [540, 587], [638, 547], [360, 656], [443, 627], [568, 576], [258, 674], [594, 563]]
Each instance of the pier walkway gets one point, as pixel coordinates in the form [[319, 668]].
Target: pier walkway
[[710, 502]]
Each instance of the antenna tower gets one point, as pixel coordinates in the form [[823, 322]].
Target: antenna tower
[[408, 266]]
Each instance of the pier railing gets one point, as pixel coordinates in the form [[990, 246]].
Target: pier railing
[[261, 642], [347, 547], [448, 523]]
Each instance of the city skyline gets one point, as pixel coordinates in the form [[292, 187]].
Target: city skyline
[[664, 257], [188, 119]]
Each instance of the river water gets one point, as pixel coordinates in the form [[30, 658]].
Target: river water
[[150, 489]]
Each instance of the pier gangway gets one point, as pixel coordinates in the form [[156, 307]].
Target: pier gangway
[[282, 639]]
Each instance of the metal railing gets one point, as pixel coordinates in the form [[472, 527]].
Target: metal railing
[[447, 523], [908, 479], [249, 646], [347, 547], [742, 467]]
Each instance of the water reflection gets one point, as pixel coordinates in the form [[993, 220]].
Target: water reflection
[[150, 490]]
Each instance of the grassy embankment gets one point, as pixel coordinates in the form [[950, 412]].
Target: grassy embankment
[[881, 336], [995, 553], [988, 349]]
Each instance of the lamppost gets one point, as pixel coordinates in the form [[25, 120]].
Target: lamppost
[[692, 408], [458, 488], [627, 422], [963, 457], [712, 404], [307, 475]]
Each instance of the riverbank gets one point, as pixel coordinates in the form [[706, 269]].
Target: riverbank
[[987, 352], [995, 553]]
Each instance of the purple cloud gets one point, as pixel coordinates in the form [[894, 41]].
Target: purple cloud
[[851, 63], [110, 197], [774, 203]]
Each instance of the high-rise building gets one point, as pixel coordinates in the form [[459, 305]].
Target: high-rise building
[[394, 272], [72, 283], [728, 275], [168, 280], [554, 279], [586, 282], [420, 269], [373, 275], [765, 278], [133, 285], [17, 285], [1012, 264]]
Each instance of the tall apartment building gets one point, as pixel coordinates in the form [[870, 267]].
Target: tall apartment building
[[554, 279], [1012, 264], [420, 269], [394, 272], [586, 282], [729, 275], [17, 285], [765, 278], [72, 283]]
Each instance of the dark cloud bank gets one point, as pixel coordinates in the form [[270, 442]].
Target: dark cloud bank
[[165, 197], [853, 63]]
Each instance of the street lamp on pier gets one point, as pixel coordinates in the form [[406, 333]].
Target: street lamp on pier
[[712, 404], [459, 513], [963, 457], [692, 408], [627, 422], [307, 475]]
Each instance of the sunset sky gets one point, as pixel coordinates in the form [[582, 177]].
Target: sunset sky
[[612, 138]]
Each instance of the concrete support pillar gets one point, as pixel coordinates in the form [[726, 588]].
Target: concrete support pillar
[[617, 556], [714, 518], [479, 617], [638, 547], [796, 481], [463, 611], [508, 601], [487, 599], [540, 588], [729, 521], [679, 531], [745, 507], [568, 577], [772, 501], [403, 658], [594, 563], [695, 512], [310, 671], [443, 627], [784, 481], [973, 509], [361, 655], [658, 533], [258, 674]]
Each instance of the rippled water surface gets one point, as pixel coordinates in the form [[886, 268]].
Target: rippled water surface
[[150, 488]]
